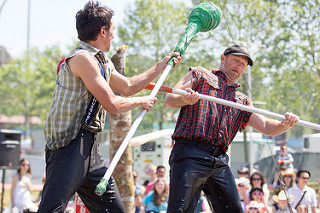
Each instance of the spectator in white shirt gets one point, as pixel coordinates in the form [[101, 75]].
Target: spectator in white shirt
[[302, 193]]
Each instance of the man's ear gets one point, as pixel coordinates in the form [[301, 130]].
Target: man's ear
[[103, 31], [222, 58]]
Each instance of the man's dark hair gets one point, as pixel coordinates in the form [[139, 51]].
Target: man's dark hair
[[160, 167], [302, 171], [91, 19]]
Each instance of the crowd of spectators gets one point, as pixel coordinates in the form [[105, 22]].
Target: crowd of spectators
[[152, 195], [288, 187], [291, 194], [288, 191]]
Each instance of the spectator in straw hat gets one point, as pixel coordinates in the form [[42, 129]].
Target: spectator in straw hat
[[243, 172], [276, 183], [252, 207], [243, 185], [281, 201], [289, 178]]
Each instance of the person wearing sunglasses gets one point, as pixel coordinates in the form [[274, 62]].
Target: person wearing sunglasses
[[21, 198], [256, 194], [258, 180], [302, 193], [289, 178]]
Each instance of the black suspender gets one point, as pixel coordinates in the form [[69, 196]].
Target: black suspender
[[93, 104]]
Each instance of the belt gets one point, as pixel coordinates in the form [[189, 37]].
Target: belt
[[208, 147], [85, 129]]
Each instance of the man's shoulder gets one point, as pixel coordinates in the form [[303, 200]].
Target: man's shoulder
[[200, 70], [203, 73], [80, 53], [308, 188], [293, 188]]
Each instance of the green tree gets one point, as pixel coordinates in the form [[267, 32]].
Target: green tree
[[27, 83], [297, 73], [152, 29], [283, 38]]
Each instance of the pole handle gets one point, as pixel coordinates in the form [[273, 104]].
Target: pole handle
[[238, 106], [102, 186]]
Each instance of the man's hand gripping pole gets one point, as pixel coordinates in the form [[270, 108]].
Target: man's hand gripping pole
[[204, 17], [235, 105]]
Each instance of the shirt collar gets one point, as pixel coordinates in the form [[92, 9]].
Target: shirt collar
[[219, 72], [101, 57], [88, 47]]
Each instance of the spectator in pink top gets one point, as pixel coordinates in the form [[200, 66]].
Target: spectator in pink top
[[160, 173]]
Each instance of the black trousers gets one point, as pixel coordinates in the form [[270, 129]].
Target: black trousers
[[79, 168], [194, 167]]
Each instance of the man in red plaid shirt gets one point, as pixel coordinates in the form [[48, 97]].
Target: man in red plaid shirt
[[204, 131]]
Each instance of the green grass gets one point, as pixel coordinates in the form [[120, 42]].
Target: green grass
[[7, 197]]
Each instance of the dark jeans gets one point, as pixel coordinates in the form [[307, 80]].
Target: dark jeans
[[194, 168], [79, 168]]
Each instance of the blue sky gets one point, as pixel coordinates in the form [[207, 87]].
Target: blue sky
[[51, 22]]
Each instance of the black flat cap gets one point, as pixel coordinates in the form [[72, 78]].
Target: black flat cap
[[237, 49]]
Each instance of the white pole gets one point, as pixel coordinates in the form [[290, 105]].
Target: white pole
[[2, 6], [250, 128], [248, 108], [101, 187]]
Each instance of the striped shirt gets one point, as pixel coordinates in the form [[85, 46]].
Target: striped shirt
[[70, 101], [209, 122]]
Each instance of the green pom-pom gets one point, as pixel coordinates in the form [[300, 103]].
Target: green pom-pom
[[207, 15]]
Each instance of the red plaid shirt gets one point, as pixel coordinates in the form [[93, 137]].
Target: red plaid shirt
[[207, 121]]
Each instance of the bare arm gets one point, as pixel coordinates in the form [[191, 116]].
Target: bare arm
[[265, 202], [84, 66], [13, 186], [176, 101], [28, 183], [130, 86], [259, 122], [270, 126]]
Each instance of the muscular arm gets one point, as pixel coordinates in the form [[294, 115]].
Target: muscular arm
[[259, 122], [132, 85], [176, 101], [84, 66], [272, 127]]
